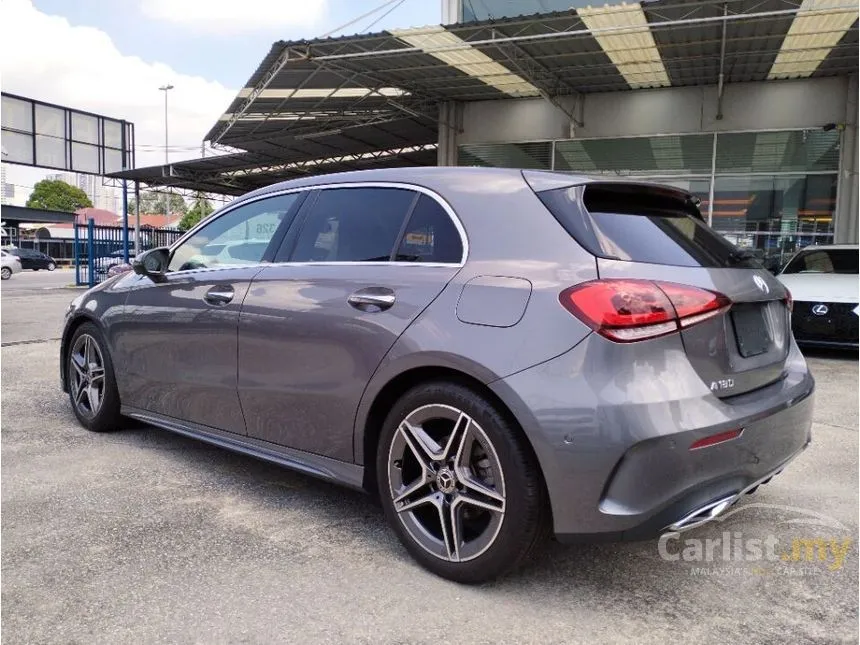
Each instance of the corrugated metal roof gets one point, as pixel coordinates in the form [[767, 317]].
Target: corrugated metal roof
[[554, 52]]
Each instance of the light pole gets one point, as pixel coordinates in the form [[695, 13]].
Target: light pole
[[165, 88]]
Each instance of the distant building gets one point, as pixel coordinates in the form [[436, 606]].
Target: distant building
[[102, 197], [7, 191]]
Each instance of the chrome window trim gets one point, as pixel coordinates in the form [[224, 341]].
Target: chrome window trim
[[458, 224]]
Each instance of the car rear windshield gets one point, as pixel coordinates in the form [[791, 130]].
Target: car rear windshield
[[638, 224], [824, 261]]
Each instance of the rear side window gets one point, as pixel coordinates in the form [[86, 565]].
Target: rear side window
[[641, 226], [353, 225], [430, 235]]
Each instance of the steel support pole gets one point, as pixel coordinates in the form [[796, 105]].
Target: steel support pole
[[77, 252], [721, 80], [125, 221], [137, 248], [845, 224], [91, 255], [713, 181]]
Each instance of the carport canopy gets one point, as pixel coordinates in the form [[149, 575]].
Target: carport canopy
[[372, 100]]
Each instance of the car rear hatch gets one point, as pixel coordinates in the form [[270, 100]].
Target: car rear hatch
[[642, 234]]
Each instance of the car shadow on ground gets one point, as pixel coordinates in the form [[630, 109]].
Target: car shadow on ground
[[338, 513]]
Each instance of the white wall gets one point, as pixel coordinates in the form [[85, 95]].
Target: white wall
[[746, 106]]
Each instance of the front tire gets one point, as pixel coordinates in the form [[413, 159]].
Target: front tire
[[92, 387], [459, 484], [51, 266], [5, 273]]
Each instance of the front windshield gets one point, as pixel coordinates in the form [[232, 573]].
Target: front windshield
[[843, 261]]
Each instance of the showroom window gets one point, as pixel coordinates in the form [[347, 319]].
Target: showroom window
[[772, 191], [535, 155], [645, 156]]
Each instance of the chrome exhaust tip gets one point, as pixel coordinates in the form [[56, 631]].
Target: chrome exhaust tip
[[702, 515]]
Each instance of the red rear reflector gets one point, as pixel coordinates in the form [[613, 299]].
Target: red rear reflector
[[714, 439], [629, 310]]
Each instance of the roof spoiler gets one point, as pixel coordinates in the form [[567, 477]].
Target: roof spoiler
[[540, 181]]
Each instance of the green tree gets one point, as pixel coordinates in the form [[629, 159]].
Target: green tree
[[199, 211], [56, 195], [152, 202]]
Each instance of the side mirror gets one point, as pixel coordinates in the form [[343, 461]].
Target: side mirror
[[152, 263]]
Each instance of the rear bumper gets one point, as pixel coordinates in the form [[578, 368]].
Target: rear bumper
[[829, 344], [613, 441]]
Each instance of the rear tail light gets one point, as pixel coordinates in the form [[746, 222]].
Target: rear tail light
[[631, 310]]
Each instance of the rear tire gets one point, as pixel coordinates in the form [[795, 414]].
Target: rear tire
[[5, 273], [92, 387], [459, 484]]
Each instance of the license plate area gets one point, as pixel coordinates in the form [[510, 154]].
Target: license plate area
[[751, 329]]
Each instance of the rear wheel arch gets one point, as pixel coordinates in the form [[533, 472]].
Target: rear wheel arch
[[402, 383]]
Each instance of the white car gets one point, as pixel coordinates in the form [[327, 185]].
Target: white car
[[823, 282], [11, 264]]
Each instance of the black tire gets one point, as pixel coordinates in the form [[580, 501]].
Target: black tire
[[35, 268], [5, 273], [51, 266], [107, 415], [525, 516]]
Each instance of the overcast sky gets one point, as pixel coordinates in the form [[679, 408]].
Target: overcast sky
[[110, 57]]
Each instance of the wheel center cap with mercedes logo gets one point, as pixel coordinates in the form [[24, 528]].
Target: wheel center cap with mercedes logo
[[445, 481]]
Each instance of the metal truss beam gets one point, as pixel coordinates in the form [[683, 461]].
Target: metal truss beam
[[318, 163], [262, 84], [548, 84]]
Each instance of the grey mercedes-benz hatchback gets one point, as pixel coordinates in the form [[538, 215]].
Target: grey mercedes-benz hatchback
[[494, 353]]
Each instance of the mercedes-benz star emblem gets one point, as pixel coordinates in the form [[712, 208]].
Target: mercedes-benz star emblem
[[761, 284], [445, 480], [820, 309]]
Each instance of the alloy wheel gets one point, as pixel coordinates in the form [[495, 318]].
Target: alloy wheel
[[446, 483], [87, 375]]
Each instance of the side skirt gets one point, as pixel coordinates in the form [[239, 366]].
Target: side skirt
[[326, 468]]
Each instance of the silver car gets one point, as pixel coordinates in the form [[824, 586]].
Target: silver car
[[496, 354]]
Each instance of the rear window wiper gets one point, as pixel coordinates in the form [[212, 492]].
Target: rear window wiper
[[741, 255]]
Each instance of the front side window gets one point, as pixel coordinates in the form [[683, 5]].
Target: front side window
[[824, 261], [353, 225], [238, 237]]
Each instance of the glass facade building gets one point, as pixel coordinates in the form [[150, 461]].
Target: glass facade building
[[472, 10], [774, 191]]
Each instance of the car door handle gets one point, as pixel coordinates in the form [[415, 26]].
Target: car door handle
[[219, 295], [372, 299]]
